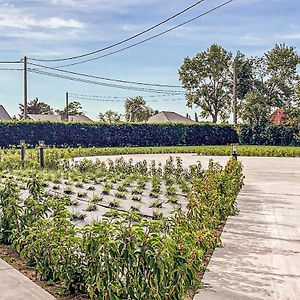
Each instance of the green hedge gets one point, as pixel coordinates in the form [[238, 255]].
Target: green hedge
[[275, 135], [116, 135]]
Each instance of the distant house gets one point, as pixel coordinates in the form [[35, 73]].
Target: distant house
[[170, 117], [59, 118], [279, 116], [4, 116]]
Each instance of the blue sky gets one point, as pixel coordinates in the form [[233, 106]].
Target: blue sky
[[59, 28]]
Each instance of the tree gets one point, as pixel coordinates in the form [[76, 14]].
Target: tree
[[136, 110], [35, 106], [207, 79], [74, 109], [110, 117], [282, 62], [256, 109]]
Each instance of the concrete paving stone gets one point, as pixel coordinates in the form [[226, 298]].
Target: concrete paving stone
[[15, 286]]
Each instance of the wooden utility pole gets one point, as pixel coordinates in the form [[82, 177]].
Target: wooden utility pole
[[67, 105], [25, 89], [234, 101]]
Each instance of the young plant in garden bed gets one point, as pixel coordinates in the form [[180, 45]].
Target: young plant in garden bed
[[156, 204], [68, 190], [82, 194], [114, 203], [78, 216], [120, 195], [96, 198], [79, 185], [136, 198], [91, 206]]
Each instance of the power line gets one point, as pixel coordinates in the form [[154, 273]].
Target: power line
[[125, 40], [11, 69], [38, 71], [150, 38], [105, 78], [10, 62], [120, 97], [120, 100]]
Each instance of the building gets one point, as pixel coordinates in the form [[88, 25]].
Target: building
[[170, 117], [4, 116], [59, 118], [279, 116]]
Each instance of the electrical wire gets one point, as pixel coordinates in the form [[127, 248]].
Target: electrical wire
[[117, 97], [122, 41], [148, 39], [124, 99], [10, 62], [11, 69], [105, 78], [38, 71]]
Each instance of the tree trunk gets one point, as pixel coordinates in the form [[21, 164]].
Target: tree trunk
[[214, 118]]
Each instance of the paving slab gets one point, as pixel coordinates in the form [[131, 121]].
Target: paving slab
[[15, 286], [261, 254]]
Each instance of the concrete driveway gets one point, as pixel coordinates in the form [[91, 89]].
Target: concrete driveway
[[261, 254]]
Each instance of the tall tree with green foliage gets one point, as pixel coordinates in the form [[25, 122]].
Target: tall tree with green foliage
[[110, 117], [36, 106], [256, 109], [282, 62], [208, 81], [136, 110]]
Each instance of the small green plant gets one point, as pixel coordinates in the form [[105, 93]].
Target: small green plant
[[79, 185], [135, 208], [68, 190], [81, 194], [96, 198], [157, 215], [137, 191], [156, 204], [112, 213], [154, 195], [136, 198], [78, 216], [122, 188], [120, 195], [114, 203], [91, 206]]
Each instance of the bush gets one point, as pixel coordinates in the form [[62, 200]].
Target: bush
[[114, 135]]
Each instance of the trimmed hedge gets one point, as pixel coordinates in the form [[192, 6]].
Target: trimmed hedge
[[274, 135], [115, 135]]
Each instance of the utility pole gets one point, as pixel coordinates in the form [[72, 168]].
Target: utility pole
[[234, 101], [25, 89], [67, 105]]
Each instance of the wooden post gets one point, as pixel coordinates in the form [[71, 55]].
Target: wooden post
[[234, 102], [25, 89]]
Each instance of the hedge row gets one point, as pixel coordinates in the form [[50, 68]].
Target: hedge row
[[121, 135], [103, 135], [273, 135]]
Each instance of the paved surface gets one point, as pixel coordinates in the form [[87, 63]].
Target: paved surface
[[261, 254], [16, 286]]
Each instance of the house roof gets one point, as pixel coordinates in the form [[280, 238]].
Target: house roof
[[279, 116], [169, 117], [4, 116], [58, 118]]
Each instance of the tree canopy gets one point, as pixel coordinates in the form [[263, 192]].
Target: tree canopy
[[36, 106], [110, 117], [136, 110]]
